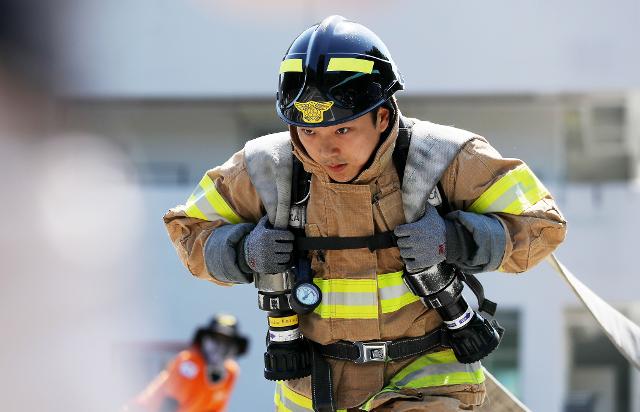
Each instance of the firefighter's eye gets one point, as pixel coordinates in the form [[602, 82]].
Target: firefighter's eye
[[342, 130], [307, 132]]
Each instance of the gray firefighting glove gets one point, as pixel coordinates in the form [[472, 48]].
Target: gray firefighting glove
[[221, 256], [422, 244], [475, 243], [268, 250]]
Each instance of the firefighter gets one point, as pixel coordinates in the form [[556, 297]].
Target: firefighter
[[448, 199], [200, 378]]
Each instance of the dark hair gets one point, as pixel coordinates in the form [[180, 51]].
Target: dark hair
[[374, 115]]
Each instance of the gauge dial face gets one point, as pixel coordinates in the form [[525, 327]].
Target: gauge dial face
[[307, 294]]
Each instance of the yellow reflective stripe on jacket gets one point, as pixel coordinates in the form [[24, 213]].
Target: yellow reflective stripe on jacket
[[433, 369], [346, 285], [207, 204], [437, 369], [287, 400], [360, 298], [513, 193], [347, 298], [350, 64], [394, 294], [192, 209]]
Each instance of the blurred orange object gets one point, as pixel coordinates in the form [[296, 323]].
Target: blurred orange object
[[184, 386]]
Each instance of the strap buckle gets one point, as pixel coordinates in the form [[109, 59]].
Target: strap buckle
[[371, 352]]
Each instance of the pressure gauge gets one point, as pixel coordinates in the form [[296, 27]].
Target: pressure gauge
[[305, 297]]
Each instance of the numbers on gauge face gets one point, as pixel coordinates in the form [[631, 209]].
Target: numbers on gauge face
[[307, 294]]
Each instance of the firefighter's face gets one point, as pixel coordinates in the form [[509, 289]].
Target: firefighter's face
[[344, 149], [217, 349]]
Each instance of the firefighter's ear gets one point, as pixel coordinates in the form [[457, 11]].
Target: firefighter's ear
[[382, 121]]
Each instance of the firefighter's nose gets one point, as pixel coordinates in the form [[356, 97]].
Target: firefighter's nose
[[329, 148]]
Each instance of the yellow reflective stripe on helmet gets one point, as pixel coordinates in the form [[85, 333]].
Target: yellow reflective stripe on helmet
[[513, 193], [394, 294], [350, 64], [291, 65], [207, 204]]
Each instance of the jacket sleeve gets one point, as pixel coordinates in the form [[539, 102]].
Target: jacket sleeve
[[480, 181], [225, 195]]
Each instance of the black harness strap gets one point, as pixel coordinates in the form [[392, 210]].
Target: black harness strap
[[485, 305], [401, 149], [322, 398], [300, 182], [383, 240], [321, 383], [395, 350]]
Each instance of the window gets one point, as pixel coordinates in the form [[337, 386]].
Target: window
[[599, 377], [503, 363]]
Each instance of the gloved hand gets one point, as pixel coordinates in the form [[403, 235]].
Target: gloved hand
[[221, 256], [268, 250], [422, 244]]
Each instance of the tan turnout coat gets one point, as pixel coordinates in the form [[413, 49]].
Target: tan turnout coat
[[372, 203]]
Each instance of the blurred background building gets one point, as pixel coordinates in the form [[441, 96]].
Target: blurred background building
[[161, 90]]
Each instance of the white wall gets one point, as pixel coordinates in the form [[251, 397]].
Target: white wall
[[196, 135], [226, 48], [633, 129], [202, 134], [526, 127]]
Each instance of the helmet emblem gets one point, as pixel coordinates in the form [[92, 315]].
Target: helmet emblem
[[313, 112]]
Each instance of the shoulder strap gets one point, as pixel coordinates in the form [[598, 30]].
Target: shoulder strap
[[401, 149], [400, 153], [432, 147], [300, 183], [269, 162]]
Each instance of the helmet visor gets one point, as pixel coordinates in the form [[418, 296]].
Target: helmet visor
[[291, 84], [341, 93]]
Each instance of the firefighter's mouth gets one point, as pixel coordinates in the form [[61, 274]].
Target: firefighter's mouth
[[337, 167]]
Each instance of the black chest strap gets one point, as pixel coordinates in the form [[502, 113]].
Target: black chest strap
[[382, 240], [377, 241]]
